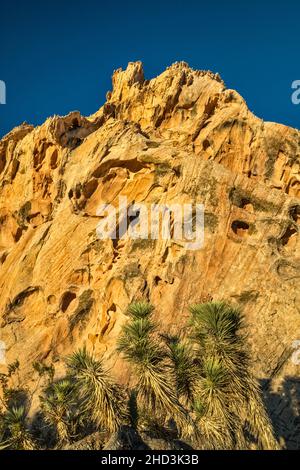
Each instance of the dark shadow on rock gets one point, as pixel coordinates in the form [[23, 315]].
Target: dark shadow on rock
[[126, 438], [18, 397], [181, 445], [43, 432], [284, 410]]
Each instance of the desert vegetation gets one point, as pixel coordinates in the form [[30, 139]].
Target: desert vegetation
[[193, 389]]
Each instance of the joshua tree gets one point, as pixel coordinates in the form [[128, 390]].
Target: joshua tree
[[186, 371], [227, 393], [3, 442], [57, 404], [100, 398], [18, 436], [203, 382], [208, 374], [201, 385], [156, 389]]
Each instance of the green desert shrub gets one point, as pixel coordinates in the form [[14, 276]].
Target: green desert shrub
[[227, 390], [99, 396], [197, 385], [203, 380], [15, 433], [58, 405], [156, 390]]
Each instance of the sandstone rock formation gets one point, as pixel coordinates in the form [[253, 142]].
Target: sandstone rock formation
[[179, 137]]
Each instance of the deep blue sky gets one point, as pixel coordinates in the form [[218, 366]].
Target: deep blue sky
[[58, 56]]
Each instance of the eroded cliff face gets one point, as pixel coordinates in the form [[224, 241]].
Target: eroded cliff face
[[180, 137]]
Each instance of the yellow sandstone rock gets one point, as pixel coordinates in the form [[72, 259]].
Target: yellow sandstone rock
[[179, 137]]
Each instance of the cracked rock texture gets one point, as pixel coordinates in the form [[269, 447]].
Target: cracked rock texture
[[177, 138]]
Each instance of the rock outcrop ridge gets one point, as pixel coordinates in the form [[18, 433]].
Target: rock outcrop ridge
[[179, 137]]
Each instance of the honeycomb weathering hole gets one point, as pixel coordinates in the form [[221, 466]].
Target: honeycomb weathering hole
[[240, 228], [289, 236], [112, 308], [246, 204], [51, 299], [18, 234], [66, 299], [54, 158], [90, 187], [3, 257], [295, 213], [75, 124], [205, 144]]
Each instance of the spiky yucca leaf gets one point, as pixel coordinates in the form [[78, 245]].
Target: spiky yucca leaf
[[212, 432], [257, 418], [155, 380], [215, 380], [218, 425], [215, 394], [186, 371], [215, 320], [147, 357], [216, 329], [139, 310], [101, 398], [4, 444], [58, 404], [19, 437], [136, 342]]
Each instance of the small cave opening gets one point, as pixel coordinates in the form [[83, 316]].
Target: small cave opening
[[246, 205], [240, 228], [2, 162], [66, 300], [157, 280], [205, 144], [74, 124], [241, 199], [18, 234], [3, 257], [78, 191], [51, 299], [89, 188], [15, 167], [112, 308], [289, 236], [53, 160], [294, 213], [133, 218]]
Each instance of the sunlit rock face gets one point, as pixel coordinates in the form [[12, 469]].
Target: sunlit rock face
[[181, 137]]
